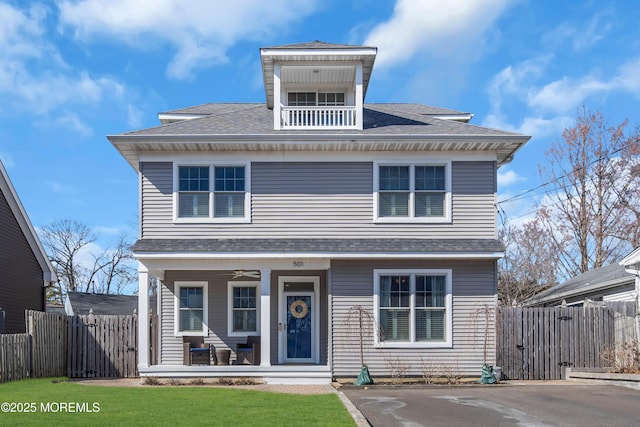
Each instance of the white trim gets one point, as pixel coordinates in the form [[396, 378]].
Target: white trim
[[212, 164], [317, 51], [205, 309], [448, 342], [187, 158], [321, 257], [315, 339], [447, 218], [20, 215], [143, 317], [242, 284]]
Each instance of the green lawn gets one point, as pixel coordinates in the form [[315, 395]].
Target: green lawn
[[156, 405]]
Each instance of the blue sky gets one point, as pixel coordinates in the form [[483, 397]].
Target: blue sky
[[74, 71]]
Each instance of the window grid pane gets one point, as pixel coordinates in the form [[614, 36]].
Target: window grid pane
[[394, 324], [430, 178], [191, 309], [229, 178], [430, 310], [244, 309], [193, 178], [394, 178], [430, 204]]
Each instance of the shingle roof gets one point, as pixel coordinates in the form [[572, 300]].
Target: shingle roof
[[611, 274], [102, 304], [315, 44], [378, 119], [329, 246]]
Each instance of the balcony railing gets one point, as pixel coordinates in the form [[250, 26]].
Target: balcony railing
[[342, 117]]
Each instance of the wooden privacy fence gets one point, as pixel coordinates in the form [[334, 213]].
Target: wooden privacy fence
[[102, 346], [106, 346], [38, 353], [77, 346], [535, 343]]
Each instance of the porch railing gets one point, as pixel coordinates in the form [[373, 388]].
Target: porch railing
[[343, 117]]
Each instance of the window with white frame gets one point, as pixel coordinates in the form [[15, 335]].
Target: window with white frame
[[412, 192], [191, 308], [413, 308], [214, 192], [244, 308], [312, 99], [193, 187]]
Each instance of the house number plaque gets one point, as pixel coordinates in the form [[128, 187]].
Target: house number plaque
[[298, 264]]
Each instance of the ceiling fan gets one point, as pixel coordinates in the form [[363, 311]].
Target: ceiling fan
[[238, 274]]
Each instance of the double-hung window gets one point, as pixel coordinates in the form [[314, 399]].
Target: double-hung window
[[191, 308], [193, 187], [212, 192], [244, 308], [229, 192], [412, 192], [413, 308]]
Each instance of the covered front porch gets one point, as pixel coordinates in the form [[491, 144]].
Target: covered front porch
[[212, 310]]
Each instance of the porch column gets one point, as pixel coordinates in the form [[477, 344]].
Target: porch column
[[265, 317], [359, 97], [276, 97], [143, 316]]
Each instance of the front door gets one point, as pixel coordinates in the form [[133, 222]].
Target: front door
[[299, 319], [299, 327]]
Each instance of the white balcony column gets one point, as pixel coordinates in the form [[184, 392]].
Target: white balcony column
[[277, 112], [265, 317], [143, 316], [359, 97]]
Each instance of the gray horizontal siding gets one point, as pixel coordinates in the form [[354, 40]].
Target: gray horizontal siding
[[329, 199], [171, 345], [473, 286]]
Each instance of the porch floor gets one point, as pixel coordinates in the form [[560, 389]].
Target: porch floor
[[275, 374]]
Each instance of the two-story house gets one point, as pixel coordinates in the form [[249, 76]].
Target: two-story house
[[277, 220]]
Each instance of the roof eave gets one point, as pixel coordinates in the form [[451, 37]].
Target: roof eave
[[142, 255], [584, 289]]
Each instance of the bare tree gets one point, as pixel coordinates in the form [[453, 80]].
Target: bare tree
[[591, 207], [82, 265], [529, 264]]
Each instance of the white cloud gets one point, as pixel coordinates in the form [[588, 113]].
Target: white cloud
[[200, 32], [580, 36], [550, 105], [453, 29], [70, 120], [508, 177], [34, 77]]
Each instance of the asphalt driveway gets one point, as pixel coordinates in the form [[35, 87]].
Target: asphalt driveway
[[511, 404]]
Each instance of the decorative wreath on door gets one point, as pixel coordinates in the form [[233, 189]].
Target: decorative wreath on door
[[299, 309]]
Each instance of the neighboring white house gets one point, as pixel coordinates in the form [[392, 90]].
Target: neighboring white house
[[615, 282], [277, 220]]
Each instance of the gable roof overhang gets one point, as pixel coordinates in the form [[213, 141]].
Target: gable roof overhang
[[132, 146], [313, 54], [631, 262], [6, 187]]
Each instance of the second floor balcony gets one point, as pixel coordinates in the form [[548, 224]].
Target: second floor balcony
[[318, 117]]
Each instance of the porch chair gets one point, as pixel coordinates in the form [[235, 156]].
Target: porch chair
[[248, 353], [195, 351]]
